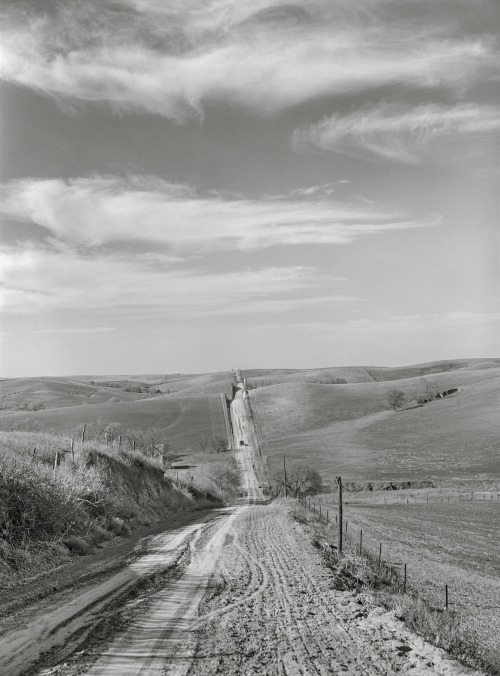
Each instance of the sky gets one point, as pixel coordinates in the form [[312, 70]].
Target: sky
[[200, 185]]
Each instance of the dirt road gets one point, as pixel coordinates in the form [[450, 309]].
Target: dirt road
[[252, 597], [246, 450]]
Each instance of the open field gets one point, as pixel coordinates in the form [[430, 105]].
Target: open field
[[77, 390], [186, 384], [183, 422], [455, 544], [58, 393], [363, 374], [348, 429]]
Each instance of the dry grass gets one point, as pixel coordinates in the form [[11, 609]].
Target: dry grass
[[82, 501], [455, 630], [181, 421], [348, 429], [454, 544]]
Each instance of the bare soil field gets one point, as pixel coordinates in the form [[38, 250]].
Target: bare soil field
[[455, 544]]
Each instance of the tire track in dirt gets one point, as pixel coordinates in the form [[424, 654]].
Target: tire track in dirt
[[146, 645], [299, 623], [65, 627]]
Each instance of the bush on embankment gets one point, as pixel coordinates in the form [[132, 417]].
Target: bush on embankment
[[89, 497]]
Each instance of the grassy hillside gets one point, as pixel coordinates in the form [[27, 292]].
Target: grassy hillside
[[348, 429], [362, 374], [177, 383], [77, 390], [58, 393], [182, 421]]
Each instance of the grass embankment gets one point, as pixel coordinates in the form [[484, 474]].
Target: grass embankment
[[46, 514], [452, 544]]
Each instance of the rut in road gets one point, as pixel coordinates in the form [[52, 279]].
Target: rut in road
[[298, 623]]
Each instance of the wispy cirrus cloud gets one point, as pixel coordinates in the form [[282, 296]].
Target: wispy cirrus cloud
[[399, 133], [100, 211], [175, 59], [39, 279]]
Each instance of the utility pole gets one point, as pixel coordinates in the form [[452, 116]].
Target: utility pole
[[284, 474], [339, 541]]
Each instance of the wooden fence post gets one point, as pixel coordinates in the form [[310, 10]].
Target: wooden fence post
[[339, 535], [360, 541], [119, 442], [327, 517], [56, 463], [404, 581], [73, 450], [83, 433], [284, 474], [320, 513]]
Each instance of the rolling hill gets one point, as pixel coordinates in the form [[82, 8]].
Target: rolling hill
[[183, 421], [348, 429], [341, 428]]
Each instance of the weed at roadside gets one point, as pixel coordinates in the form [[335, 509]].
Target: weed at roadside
[[361, 573]]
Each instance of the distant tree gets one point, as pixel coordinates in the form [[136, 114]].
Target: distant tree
[[146, 441], [225, 476], [212, 444], [431, 389], [396, 398], [35, 406], [300, 478]]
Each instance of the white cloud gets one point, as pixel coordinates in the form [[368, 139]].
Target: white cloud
[[38, 279], [98, 211], [174, 58], [399, 133]]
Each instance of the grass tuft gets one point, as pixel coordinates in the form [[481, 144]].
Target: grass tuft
[[361, 573]]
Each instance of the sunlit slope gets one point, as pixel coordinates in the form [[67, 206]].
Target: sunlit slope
[[362, 374], [77, 390], [348, 429], [183, 422], [352, 374], [174, 383], [58, 392]]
